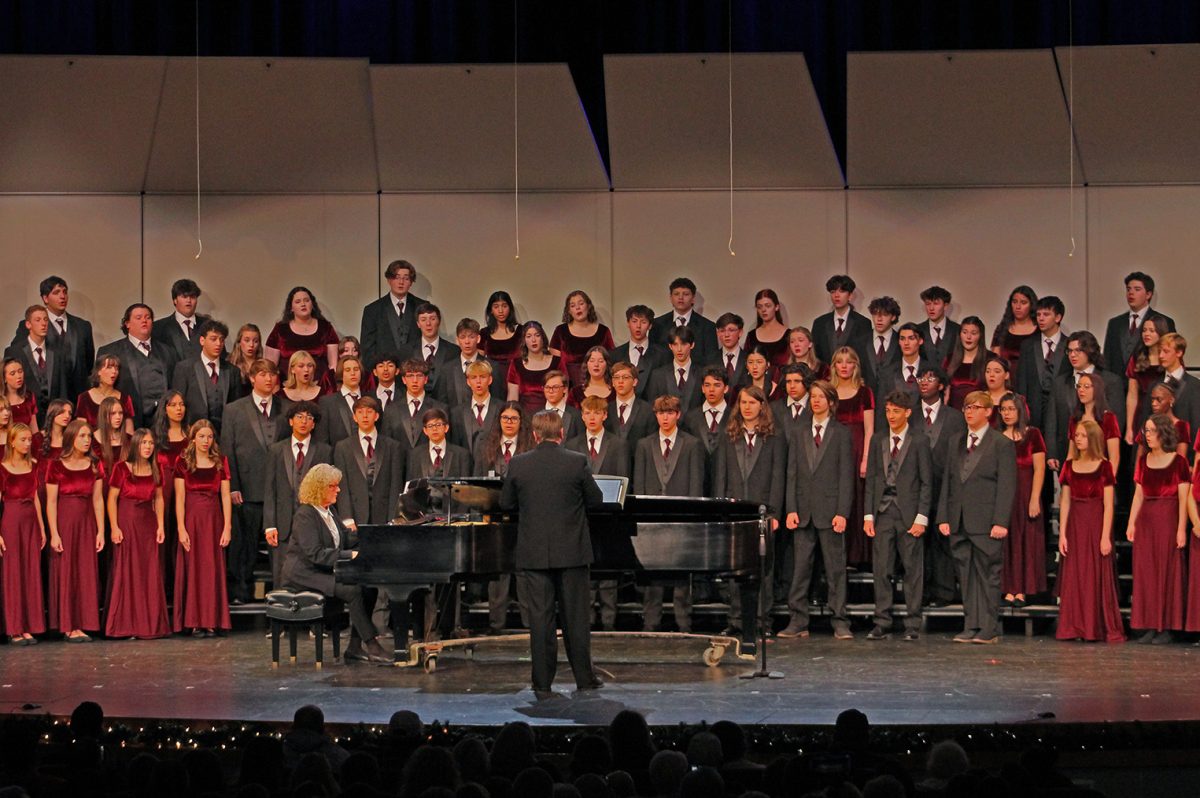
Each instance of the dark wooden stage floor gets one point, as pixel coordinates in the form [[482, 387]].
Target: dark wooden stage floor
[[929, 682]]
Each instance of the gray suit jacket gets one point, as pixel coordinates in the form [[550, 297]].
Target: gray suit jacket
[[941, 353], [44, 384], [913, 475], [244, 443], [820, 480], [456, 462], [639, 421], [978, 488], [612, 458], [337, 420], [949, 425], [139, 372], [202, 400], [399, 424], [365, 499], [464, 427], [758, 475], [281, 489], [1035, 379], [682, 474], [382, 332]]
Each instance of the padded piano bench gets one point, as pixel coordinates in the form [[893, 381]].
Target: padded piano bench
[[304, 610]]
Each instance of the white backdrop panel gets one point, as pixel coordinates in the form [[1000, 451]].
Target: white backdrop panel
[[463, 245], [786, 240], [92, 242], [256, 248]]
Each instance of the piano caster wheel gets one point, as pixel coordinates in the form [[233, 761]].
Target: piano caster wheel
[[712, 655], [430, 664]]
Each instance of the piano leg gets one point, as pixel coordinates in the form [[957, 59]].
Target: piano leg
[[400, 620]]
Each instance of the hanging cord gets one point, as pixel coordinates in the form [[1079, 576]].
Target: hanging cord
[[199, 241], [1071, 123], [730, 56], [516, 143]]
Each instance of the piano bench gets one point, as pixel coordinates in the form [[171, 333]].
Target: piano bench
[[291, 612]]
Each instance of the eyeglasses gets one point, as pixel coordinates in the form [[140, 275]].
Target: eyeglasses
[[512, 419], [927, 378], [434, 425], [974, 407]]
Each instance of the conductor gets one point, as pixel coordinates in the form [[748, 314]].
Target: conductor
[[552, 488]]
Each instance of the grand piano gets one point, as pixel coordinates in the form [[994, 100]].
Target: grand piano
[[453, 530]]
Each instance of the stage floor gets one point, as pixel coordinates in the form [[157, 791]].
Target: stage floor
[[932, 681]]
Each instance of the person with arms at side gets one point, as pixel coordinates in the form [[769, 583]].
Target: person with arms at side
[[440, 355], [507, 436], [389, 324], [684, 314], [385, 371], [22, 401], [943, 425], [180, 330], [821, 472], [974, 511], [69, 335], [251, 425], [706, 421], [1091, 402], [843, 326], [668, 463], [6, 424], [373, 466], [595, 379], [1023, 572], [104, 379], [759, 373], [526, 372], [610, 455], [1121, 333], [899, 489], [885, 349], [110, 441], [789, 408], [901, 374], [1162, 402], [207, 380], [303, 328], [337, 415], [967, 362], [45, 369], [553, 489], [769, 333], [318, 540], [579, 331], [75, 514], [938, 333], [800, 350], [1158, 531], [730, 353], [1143, 371], [47, 444], [855, 410], [204, 518], [500, 338], [22, 538], [1171, 349], [440, 457], [146, 367], [554, 389], [137, 600], [629, 417], [455, 392], [1083, 354], [402, 422], [1017, 325], [749, 465], [470, 418], [288, 461], [640, 351], [681, 377], [1089, 607], [171, 438], [247, 348], [1042, 358]]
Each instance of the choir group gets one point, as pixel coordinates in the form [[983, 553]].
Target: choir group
[[145, 474]]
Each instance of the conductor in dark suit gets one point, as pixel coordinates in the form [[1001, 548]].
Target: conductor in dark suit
[[552, 489], [819, 497], [975, 509], [288, 461], [208, 381], [70, 336], [683, 315], [318, 541], [146, 367], [1124, 331], [899, 487], [389, 324]]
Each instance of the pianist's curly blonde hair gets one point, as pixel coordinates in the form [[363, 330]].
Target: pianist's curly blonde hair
[[318, 480]]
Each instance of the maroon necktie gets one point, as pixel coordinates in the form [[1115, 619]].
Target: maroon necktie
[[370, 449], [429, 357], [712, 423], [41, 361], [840, 324], [929, 416], [895, 446], [912, 377], [937, 336], [641, 350], [416, 405], [795, 412], [592, 447], [621, 413], [817, 436], [187, 328], [145, 346], [1049, 350], [507, 452], [299, 456], [387, 392], [479, 413], [728, 367], [213, 377], [62, 326], [1133, 325], [749, 442], [437, 457], [666, 448], [974, 442], [263, 404], [879, 351], [680, 383]]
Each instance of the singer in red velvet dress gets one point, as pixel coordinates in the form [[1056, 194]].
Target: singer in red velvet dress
[[1023, 570], [1087, 578], [137, 602], [856, 411], [75, 512], [525, 373], [22, 539], [1158, 530], [104, 384], [203, 512], [579, 332]]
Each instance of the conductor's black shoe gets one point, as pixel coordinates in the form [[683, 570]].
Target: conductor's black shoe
[[544, 693], [878, 633]]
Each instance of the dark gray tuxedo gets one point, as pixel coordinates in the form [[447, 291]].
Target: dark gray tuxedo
[[166, 331], [1060, 403], [145, 378], [1035, 377], [454, 391], [894, 377], [640, 420], [370, 492], [464, 426], [337, 419], [939, 353], [456, 462], [655, 356], [44, 383], [399, 423], [76, 349], [1119, 344], [940, 571], [383, 332], [281, 491], [612, 457], [665, 382], [202, 397], [857, 335], [704, 330]]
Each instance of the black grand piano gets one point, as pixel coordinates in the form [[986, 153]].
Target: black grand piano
[[452, 530]]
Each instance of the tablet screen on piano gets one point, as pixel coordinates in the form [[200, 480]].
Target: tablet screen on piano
[[613, 489]]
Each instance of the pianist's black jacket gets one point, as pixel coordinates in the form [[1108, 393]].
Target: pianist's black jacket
[[553, 489], [311, 555]]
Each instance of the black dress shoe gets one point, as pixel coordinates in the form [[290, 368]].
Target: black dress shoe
[[544, 693], [595, 684], [878, 633], [911, 635]]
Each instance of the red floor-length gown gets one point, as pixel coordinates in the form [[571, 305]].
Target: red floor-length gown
[[1024, 567], [573, 349], [201, 598], [1157, 564], [1089, 607], [75, 571], [137, 603], [21, 565], [850, 413]]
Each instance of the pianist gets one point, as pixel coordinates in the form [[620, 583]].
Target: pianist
[[318, 540], [552, 489]]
